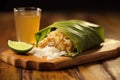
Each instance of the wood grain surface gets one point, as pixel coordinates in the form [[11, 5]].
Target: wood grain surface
[[107, 69]]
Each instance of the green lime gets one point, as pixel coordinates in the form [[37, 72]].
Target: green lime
[[20, 47]]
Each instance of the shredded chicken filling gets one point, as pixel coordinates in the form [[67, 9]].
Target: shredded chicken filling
[[57, 39]]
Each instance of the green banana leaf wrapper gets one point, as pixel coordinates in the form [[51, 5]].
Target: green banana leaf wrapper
[[84, 35]]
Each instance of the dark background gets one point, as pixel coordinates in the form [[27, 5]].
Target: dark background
[[63, 5]]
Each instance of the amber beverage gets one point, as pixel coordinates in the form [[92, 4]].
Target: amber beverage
[[27, 23]]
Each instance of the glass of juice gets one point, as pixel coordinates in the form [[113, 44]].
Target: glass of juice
[[27, 23]]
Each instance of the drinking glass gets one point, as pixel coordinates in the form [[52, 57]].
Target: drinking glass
[[27, 23]]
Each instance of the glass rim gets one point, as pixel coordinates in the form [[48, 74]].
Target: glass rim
[[26, 8]]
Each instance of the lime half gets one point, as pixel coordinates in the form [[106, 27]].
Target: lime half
[[20, 47]]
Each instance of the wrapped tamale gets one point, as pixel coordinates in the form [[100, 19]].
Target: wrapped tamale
[[72, 36]]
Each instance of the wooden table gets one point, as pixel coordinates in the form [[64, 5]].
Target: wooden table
[[108, 69]]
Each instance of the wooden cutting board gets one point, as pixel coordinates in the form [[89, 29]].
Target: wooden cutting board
[[109, 49]]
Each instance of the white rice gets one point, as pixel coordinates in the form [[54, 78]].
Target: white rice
[[49, 52]]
